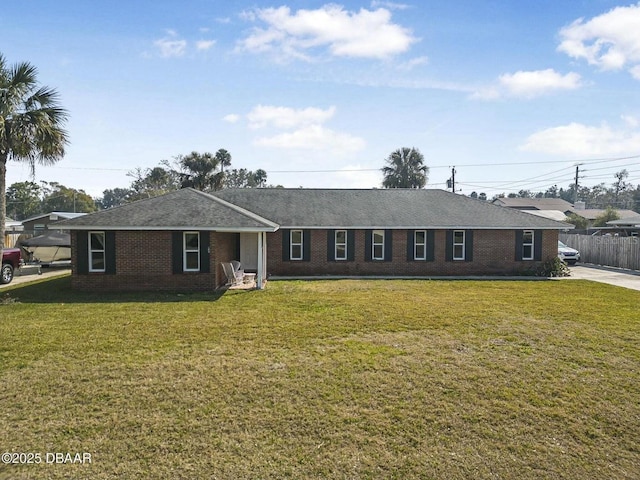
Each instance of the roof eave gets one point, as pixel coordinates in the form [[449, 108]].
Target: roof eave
[[171, 228]]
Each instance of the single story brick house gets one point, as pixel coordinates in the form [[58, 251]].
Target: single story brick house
[[178, 241]]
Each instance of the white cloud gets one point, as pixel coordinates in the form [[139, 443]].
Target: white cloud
[[529, 84], [231, 118], [171, 45], [610, 41], [389, 5], [414, 62], [539, 82], [314, 137], [577, 139], [362, 34], [205, 44], [631, 120], [285, 117]]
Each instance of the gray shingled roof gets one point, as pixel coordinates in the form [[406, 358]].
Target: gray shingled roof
[[267, 209], [535, 203], [392, 208], [179, 210]]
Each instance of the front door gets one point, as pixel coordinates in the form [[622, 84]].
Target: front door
[[249, 251]]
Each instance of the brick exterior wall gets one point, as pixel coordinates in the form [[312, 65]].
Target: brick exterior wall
[[225, 250], [494, 253], [144, 262]]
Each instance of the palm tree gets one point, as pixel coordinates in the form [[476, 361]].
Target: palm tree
[[405, 169], [224, 158], [200, 171], [31, 124]]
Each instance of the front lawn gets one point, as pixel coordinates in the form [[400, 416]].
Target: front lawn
[[324, 379]]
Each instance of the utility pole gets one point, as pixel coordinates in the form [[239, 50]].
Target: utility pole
[[451, 183], [575, 187]]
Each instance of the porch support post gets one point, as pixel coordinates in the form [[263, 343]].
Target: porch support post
[[260, 273], [264, 255]]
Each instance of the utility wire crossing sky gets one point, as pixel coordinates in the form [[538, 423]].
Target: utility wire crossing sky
[[512, 94]]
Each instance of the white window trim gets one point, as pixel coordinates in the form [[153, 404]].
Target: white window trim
[[524, 244], [185, 250], [464, 240], [374, 244], [416, 244], [337, 244], [92, 251], [292, 244]]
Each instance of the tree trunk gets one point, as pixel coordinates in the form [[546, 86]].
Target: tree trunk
[[3, 199]]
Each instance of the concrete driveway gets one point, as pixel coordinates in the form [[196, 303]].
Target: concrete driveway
[[612, 276], [29, 274]]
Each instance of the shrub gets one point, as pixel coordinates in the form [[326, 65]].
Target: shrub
[[553, 268]]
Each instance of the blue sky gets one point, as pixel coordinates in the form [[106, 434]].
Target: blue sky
[[513, 94]]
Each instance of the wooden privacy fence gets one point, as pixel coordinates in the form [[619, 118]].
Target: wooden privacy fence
[[622, 252]]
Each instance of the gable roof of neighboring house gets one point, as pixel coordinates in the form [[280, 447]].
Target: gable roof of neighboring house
[[593, 213], [183, 209], [552, 214], [53, 216], [380, 208], [534, 203], [629, 221]]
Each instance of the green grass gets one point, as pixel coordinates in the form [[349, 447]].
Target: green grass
[[325, 379]]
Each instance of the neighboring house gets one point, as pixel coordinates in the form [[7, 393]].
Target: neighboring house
[[13, 230], [555, 204], [628, 226], [591, 214], [177, 241], [557, 209], [38, 224]]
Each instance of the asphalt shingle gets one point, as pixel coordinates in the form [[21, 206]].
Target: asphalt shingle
[[385, 208]]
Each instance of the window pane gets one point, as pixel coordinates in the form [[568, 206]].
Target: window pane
[[97, 261], [192, 261], [378, 236], [296, 236], [527, 237], [458, 252], [420, 237], [419, 251], [527, 252], [97, 241], [341, 236], [458, 236], [378, 252], [296, 252], [341, 252], [191, 241]]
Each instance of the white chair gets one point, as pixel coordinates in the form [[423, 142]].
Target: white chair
[[234, 277]]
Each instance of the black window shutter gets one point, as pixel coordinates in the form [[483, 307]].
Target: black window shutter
[[411, 238], [286, 245], [519, 246], [388, 245], [431, 239], [351, 245], [236, 252], [449, 246], [176, 252], [204, 252], [331, 245], [468, 246], [537, 245], [306, 245], [110, 252], [368, 239], [82, 252]]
